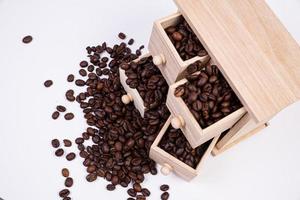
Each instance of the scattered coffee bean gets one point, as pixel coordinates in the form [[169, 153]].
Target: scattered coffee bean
[[67, 198], [82, 72], [65, 172], [27, 39], [110, 187], [70, 78], [55, 143], [61, 108], [83, 64], [64, 193], [164, 187], [69, 116], [55, 115], [131, 192], [146, 192], [70, 95], [122, 36], [67, 143], [70, 156], [69, 182], [165, 196], [59, 152], [48, 83], [131, 41], [137, 187], [80, 82]]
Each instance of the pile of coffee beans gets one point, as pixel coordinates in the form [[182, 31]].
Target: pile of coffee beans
[[175, 143], [144, 76], [185, 41], [121, 138], [208, 96]]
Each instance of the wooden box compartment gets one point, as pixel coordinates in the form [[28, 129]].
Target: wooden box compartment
[[184, 119], [170, 163], [165, 55]]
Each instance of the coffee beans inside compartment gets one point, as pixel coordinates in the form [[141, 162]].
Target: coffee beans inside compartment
[[175, 143], [207, 94], [184, 40], [144, 76]]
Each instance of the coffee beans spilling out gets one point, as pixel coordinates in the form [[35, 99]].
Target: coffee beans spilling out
[[184, 40], [208, 96], [148, 80], [175, 143], [121, 138]]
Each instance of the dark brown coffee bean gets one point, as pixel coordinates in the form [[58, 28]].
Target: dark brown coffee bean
[[27, 39], [140, 197], [67, 143], [164, 187], [137, 187], [83, 64], [82, 72], [61, 108], [179, 91], [91, 177], [131, 41], [69, 116], [177, 36], [69, 182], [70, 78], [67, 198], [130, 198], [115, 180], [91, 68], [118, 146], [64, 193], [165, 196], [131, 192], [110, 187], [70, 156], [79, 140], [146, 192], [122, 36], [80, 82], [65, 172], [59, 152], [48, 83], [55, 143]]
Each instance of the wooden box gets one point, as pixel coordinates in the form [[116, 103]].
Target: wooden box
[[253, 50], [184, 119], [171, 164], [164, 53]]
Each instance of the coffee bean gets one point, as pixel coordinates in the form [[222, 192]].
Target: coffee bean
[[65, 172], [69, 182], [110, 187], [165, 196], [61, 108], [146, 192], [179, 91], [164, 187], [55, 115], [137, 187], [122, 36], [79, 140], [91, 177], [177, 36], [70, 156], [48, 83], [59, 152], [130, 198], [64, 193], [131, 192], [69, 116], [67, 143], [67, 198], [131, 41], [55, 143], [27, 39], [70, 78], [83, 64], [140, 197], [80, 82]]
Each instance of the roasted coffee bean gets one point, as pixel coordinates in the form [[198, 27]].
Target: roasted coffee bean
[[177, 36], [131, 41], [55, 143], [59, 152], [70, 156], [82, 72], [91, 68], [179, 91], [140, 197], [131, 192], [122, 36], [67, 198], [137, 187], [61, 108], [65, 172], [70, 78], [130, 198], [27, 39], [91, 177], [48, 83], [110, 187], [64, 193], [164, 187], [69, 116], [80, 82], [83, 64], [146, 192], [165, 196], [67, 143], [69, 182], [79, 140]]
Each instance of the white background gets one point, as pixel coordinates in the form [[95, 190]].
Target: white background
[[266, 166]]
